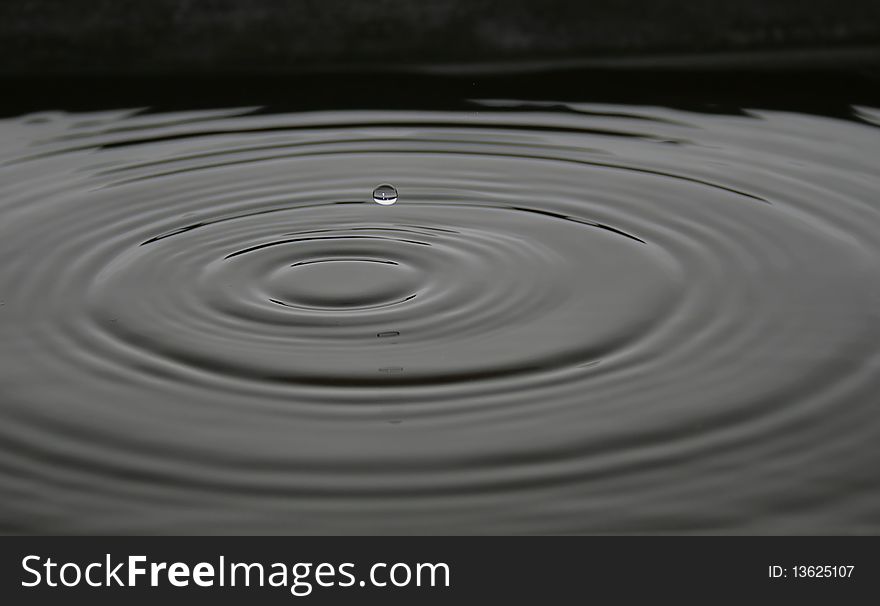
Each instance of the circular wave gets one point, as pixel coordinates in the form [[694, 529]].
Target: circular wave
[[592, 319]]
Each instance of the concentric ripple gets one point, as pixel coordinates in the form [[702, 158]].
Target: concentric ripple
[[575, 318]]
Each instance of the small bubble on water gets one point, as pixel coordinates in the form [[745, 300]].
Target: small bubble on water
[[385, 195]]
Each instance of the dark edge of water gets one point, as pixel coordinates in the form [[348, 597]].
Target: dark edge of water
[[823, 92]]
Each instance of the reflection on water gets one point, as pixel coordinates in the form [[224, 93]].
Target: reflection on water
[[578, 318]]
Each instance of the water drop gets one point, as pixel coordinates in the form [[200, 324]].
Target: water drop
[[385, 195]]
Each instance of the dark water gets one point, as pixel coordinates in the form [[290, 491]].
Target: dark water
[[578, 317]]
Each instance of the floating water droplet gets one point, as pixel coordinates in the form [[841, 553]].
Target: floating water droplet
[[385, 195]]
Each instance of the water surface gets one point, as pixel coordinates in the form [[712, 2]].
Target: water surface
[[576, 318]]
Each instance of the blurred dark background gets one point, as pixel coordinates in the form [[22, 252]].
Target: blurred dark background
[[210, 36], [708, 55]]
